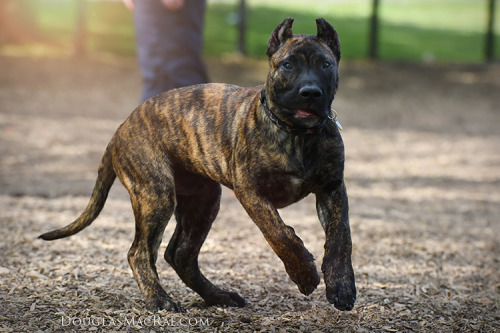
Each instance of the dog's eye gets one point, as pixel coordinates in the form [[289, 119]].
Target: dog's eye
[[326, 64], [287, 65]]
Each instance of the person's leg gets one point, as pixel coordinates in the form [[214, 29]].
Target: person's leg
[[147, 19], [169, 45], [185, 64]]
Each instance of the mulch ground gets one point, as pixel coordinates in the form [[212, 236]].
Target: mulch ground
[[423, 177]]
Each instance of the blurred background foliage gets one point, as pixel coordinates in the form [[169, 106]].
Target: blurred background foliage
[[408, 30]]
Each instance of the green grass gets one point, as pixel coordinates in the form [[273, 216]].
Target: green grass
[[447, 31]]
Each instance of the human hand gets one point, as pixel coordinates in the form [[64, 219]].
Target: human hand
[[173, 5], [129, 4]]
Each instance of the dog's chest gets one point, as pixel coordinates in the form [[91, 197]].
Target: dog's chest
[[283, 188], [290, 176]]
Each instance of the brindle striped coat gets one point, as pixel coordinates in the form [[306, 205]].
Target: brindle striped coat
[[272, 145]]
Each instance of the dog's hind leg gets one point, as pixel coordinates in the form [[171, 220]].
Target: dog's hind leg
[[152, 193], [196, 210]]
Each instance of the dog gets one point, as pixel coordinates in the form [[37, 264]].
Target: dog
[[272, 145]]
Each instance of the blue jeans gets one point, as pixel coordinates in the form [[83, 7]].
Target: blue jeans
[[169, 45]]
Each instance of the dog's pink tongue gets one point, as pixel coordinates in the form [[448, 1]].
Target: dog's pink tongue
[[303, 113]]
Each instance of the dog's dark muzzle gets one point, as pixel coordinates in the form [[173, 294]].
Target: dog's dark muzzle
[[305, 121], [310, 93], [309, 101]]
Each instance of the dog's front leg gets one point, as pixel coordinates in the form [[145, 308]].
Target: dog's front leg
[[298, 261], [333, 212]]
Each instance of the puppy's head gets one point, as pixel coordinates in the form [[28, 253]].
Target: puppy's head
[[303, 76]]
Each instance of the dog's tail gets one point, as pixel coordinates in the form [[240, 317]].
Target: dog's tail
[[105, 179]]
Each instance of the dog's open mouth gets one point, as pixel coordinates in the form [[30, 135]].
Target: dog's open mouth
[[304, 114]]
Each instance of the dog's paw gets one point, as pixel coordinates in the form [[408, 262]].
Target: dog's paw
[[307, 289], [342, 295], [308, 283], [225, 298], [164, 303], [306, 277]]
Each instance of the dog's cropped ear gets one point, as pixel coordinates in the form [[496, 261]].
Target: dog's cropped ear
[[279, 36], [327, 34]]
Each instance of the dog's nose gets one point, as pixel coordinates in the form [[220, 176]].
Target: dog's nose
[[310, 92]]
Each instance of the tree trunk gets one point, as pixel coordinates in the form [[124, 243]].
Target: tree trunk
[[81, 29], [489, 51], [373, 42], [242, 14]]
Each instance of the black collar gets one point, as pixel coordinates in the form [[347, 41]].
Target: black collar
[[284, 126]]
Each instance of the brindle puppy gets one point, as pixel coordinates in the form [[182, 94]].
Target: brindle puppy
[[272, 145]]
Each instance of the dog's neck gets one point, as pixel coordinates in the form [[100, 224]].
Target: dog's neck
[[284, 126]]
